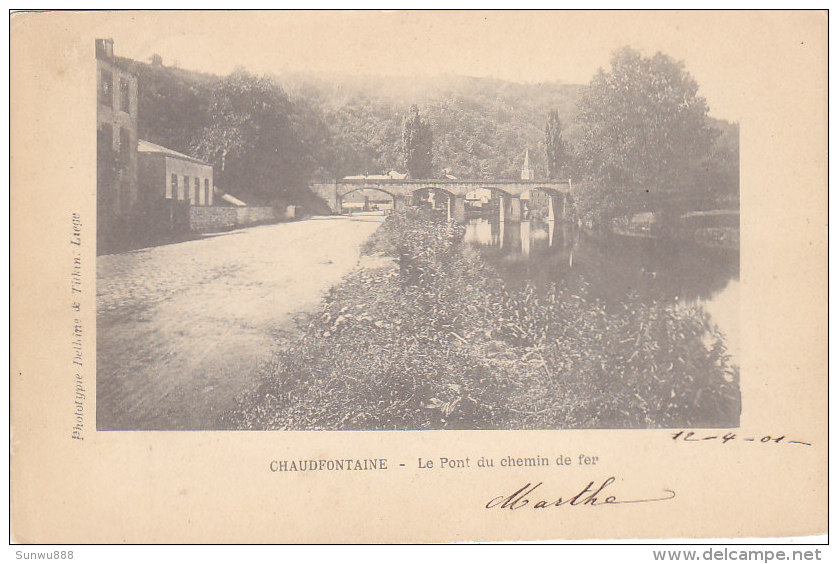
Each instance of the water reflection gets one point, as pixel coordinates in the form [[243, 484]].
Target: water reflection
[[611, 268]]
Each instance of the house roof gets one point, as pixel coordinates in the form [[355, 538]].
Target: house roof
[[229, 198], [144, 146]]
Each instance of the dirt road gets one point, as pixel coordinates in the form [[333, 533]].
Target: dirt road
[[182, 329]]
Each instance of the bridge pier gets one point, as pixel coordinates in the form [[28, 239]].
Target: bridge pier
[[513, 213], [458, 209], [399, 203], [557, 208], [509, 208]]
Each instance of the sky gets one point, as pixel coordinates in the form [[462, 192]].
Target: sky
[[519, 46]]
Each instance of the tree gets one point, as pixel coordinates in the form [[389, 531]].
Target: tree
[[173, 105], [643, 126], [554, 145], [253, 139], [417, 145]]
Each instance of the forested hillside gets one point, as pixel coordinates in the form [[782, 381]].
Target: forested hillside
[[267, 137], [481, 126]]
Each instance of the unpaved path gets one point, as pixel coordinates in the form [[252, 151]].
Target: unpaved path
[[182, 329]]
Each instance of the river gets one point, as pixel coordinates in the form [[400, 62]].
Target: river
[[614, 268]]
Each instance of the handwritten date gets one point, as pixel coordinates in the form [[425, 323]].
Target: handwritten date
[[693, 437]]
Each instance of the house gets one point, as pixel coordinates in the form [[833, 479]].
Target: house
[[171, 185], [117, 198], [479, 198], [167, 174]]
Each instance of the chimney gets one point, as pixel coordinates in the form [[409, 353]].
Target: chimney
[[104, 49]]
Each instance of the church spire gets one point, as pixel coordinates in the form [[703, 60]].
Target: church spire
[[526, 171]]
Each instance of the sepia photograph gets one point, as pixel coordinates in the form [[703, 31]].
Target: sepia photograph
[[419, 276], [292, 249]]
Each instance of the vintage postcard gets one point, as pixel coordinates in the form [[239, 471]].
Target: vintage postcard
[[418, 276]]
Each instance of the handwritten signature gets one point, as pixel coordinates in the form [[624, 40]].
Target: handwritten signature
[[589, 495]]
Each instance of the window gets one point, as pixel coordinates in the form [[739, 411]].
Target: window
[[186, 188], [125, 95], [173, 194], [106, 89], [206, 192], [197, 191]]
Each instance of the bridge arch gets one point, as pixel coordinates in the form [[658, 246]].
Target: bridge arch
[[440, 199], [433, 189], [341, 196], [553, 206], [498, 200], [552, 191], [352, 189], [495, 190]]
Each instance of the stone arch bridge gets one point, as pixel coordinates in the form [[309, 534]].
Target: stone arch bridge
[[402, 191]]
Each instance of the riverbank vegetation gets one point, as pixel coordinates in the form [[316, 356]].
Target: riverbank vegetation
[[428, 337]]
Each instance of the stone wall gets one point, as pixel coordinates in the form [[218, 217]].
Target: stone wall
[[252, 214], [218, 218], [328, 192], [211, 218]]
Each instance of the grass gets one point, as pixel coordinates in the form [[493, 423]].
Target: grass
[[433, 340]]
